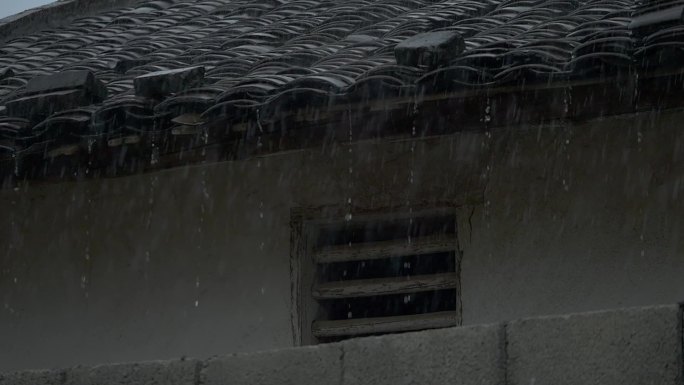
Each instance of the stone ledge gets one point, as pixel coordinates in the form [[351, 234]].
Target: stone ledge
[[628, 346], [311, 365], [179, 372], [470, 355], [37, 377]]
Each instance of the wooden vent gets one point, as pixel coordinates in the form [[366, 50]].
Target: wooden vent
[[384, 276]]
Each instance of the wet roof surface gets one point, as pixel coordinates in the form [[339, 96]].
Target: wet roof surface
[[269, 56]]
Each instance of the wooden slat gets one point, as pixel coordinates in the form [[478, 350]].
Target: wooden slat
[[385, 249], [384, 286], [365, 326]]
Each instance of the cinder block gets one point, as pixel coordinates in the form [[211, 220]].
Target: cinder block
[[454, 356], [180, 372], [311, 365], [638, 346], [42, 377]]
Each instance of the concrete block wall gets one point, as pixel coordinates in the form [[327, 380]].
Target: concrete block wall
[[629, 346]]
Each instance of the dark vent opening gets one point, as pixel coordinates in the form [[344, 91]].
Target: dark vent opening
[[390, 305], [384, 230], [410, 265]]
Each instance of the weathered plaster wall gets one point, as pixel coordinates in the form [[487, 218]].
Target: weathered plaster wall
[[195, 261], [579, 218]]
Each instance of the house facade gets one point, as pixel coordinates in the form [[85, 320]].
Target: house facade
[[207, 236]]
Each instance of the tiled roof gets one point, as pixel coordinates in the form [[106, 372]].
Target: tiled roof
[[261, 58]]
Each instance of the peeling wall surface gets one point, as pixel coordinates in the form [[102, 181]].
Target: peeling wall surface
[[196, 261]]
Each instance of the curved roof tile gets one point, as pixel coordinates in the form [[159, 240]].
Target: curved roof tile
[[258, 54]]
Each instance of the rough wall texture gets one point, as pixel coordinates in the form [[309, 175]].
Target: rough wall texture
[[624, 347], [633, 346], [195, 261], [321, 364], [457, 356]]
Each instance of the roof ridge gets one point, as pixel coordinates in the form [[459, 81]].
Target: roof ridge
[[53, 15]]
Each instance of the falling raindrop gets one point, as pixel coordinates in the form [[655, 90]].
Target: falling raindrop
[[636, 85], [154, 158], [91, 143], [15, 158], [205, 141], [348, 216]]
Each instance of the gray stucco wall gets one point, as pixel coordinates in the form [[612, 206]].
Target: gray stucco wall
[[579, 218], [195, 261]]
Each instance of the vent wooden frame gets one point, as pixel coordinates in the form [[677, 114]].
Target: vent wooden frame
[[307, 255]]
